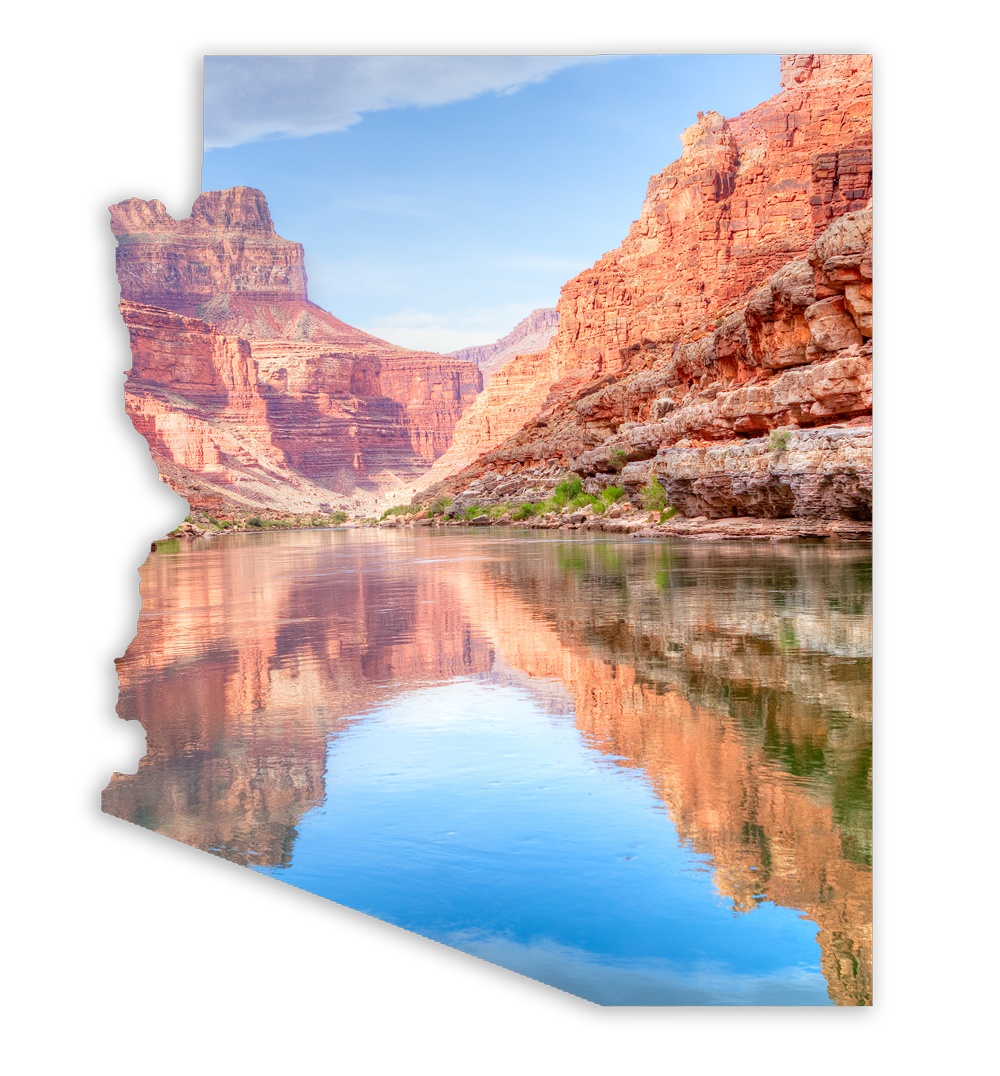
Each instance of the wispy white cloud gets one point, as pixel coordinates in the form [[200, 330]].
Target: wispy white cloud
[[645, 981], [253, 97], [446, 331]]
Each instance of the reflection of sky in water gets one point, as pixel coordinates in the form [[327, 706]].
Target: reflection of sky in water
[[467, 813], [496, 742]]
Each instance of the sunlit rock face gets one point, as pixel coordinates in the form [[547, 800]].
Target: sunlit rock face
[[346, 412], [739, 303]]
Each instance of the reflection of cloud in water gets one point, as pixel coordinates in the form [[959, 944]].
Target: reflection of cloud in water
[[608, 981], [551, 695]]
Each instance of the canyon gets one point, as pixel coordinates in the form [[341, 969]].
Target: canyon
[[250, 395], [725, 348]]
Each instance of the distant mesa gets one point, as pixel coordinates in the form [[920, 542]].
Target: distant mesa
[[532, 333]]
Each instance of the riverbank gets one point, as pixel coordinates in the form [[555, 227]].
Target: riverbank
[[648, 525], [618, 520], [202, 524]]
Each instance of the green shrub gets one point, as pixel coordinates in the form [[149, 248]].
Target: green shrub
[[612, 494], [582, 499], [400, 510], [654, 496], [472, 511], [498, 510], [439, 504], [565, 492], [255, 521], [527, 510], [618, 460], [338, 517], [779, 440]]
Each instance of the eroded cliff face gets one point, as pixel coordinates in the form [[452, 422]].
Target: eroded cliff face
[[740, 303], [294, 428], [328, 409]]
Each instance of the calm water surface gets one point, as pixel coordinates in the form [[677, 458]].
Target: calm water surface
[[637, 771]]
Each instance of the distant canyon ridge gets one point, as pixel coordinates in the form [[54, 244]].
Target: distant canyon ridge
[[724, 349]]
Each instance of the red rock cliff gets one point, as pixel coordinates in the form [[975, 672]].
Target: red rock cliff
[[343, 412], [722, 285]]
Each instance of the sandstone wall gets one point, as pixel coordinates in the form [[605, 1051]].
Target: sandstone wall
[[435, 392], [746, 196], [519, 388], [227, 245], [740, 303], [274, 423], [793, 361]]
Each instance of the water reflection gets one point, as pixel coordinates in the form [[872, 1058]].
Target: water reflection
[[732, 681]]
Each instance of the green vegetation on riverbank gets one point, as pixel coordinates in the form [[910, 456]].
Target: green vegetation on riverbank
[[236, 520]]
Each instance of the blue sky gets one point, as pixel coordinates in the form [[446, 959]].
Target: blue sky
[[440, 199]]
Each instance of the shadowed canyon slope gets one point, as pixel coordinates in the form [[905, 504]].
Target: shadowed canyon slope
[[248, 393], [739, 303]]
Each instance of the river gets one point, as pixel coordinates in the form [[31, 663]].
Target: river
[[638, 771]]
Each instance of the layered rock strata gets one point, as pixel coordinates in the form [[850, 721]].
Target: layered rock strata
[[330, 409], [739, 304], [530, 334], [195, 396]]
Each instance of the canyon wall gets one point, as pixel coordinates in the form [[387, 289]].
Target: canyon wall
[[333, 415], [530, 334], [740, 303]]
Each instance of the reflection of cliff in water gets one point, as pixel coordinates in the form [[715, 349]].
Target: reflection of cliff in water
[[736, 678], [739, 680], [243, 669]]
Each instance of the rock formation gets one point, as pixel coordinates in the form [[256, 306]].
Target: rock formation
[[739, 304], [530, 334], [317, 407]]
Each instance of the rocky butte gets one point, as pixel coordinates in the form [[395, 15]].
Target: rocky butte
[[248, 393], [725, 348]]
